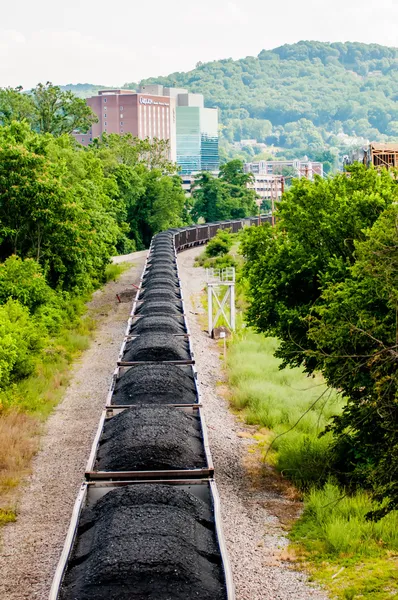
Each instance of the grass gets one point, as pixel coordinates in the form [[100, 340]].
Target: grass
[[286, 402], [113, 271], [354, 558]]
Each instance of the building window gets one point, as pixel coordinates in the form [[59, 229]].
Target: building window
[[121, 122], [121, 131], [91, 139], [121, 108], [104, 99], [105, 123], [121, 115]]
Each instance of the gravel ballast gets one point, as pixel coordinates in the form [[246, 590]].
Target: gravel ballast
[[155, 384], [165, 549], [254, 534], [150, 438], [156, 347]]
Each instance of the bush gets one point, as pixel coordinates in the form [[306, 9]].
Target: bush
[[23, 280], [221, 244], [20, 342]]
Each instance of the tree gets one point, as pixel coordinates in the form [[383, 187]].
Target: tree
[[53, 209], [324, 281], [354, 329], [15, 106], [225, 197], [60, 112], [313, 244]]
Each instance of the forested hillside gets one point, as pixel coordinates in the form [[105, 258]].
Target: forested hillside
[[303, 98]]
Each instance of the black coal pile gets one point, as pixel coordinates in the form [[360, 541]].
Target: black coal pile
[[162, 271], [162, 255], [162, 245], [156, 384], [160, 293], [145, 542], [158, 324], [154, 306], [151, 438], [170, 283], [156, 346], [161, 264]]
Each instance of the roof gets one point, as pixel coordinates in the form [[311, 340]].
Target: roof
[[379, 147]]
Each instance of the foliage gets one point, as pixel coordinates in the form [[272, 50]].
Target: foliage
[[15, 106], [19, 342], [301, 98], [46, 214], [24, 280], [324, 283], [47, 108], [223, 197], [354, 329], [219, 245]]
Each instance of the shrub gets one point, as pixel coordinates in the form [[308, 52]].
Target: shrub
[[23, 280], [221, 244], [20, 342]]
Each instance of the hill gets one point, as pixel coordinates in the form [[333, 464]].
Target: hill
[[301, 98]]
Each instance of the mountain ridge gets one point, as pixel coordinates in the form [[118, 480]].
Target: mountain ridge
[[305, 98]]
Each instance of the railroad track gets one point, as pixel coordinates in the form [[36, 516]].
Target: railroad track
[[146, 523]]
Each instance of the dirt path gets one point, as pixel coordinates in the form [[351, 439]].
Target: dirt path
[[252, 513], [31, 547]]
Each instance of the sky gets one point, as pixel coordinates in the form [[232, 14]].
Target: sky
[[112, 43]]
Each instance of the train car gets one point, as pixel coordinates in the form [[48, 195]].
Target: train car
[[148, 524], [178, 519]]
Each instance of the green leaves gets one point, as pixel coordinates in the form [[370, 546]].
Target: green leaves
[[325, 283], [47, 109], [225, 197]]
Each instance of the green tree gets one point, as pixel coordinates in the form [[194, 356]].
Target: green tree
[[354, 329], [313, 243], [15, 106], [60, 112], [225, 197], [49, 212], [324, 282]]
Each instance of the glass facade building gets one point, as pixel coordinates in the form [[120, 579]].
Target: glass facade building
[[197, 139]]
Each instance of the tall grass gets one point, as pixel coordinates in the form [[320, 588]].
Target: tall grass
[[293, 407], [352, 556]]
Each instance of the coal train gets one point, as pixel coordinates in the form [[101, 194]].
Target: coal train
[[146, 523]]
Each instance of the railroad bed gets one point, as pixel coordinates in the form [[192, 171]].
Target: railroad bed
[[146, 523]]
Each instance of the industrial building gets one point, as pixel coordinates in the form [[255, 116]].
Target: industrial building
[[299, 168], [376, 154], [164, 113]]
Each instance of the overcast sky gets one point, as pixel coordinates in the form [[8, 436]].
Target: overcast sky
[[108, 42]]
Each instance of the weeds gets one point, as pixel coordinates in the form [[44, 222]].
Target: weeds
[[114, 270]]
